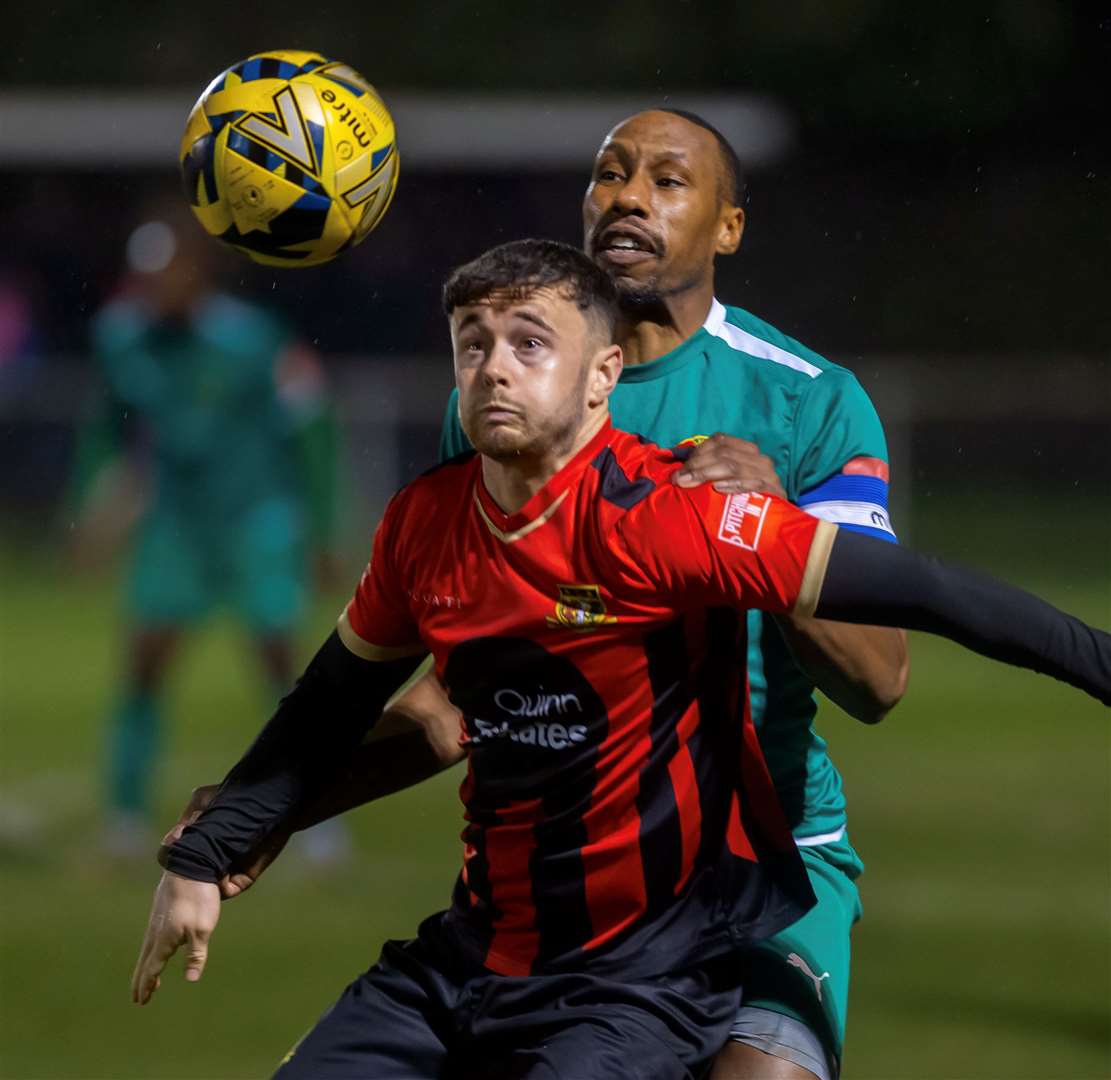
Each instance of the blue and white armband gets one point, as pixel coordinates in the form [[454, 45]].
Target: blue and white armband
[[855, 499]]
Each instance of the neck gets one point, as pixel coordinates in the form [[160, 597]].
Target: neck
[[513, 481], [648, 336]]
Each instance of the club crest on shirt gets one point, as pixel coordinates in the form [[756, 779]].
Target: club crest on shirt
[[742, 519], [580, 607]]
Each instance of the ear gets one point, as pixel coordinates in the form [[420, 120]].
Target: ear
[[731, 224], [605, 370]]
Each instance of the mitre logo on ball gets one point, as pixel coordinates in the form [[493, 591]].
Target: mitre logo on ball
[[289, 157]]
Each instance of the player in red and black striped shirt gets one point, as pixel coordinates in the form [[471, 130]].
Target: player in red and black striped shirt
[[622, 835], [598, 695]]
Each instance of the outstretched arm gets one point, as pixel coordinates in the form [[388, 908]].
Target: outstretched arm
[[869, 581], [417, 738], [700, 548], [316, 726]]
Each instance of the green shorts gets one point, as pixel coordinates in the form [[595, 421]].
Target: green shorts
[[803, 972], [187, 564]]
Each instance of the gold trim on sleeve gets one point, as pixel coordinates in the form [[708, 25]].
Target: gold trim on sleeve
[[814, 575], [378, 653]]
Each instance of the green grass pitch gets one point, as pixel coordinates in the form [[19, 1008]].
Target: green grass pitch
[[981, 807]]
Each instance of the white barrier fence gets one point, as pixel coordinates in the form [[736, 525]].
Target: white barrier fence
[[43, 128]]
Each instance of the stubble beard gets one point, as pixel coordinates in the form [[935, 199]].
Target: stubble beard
[[552, 438], [500, 445], [638, 301]]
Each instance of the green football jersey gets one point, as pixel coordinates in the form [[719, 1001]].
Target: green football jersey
[[740, 376], [205, 391]]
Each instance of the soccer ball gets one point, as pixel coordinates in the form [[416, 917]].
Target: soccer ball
[[289, 157]]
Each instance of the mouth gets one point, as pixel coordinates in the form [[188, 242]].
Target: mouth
[[624, 245], [496, 412]]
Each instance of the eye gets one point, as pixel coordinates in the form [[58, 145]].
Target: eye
[[532, 343], [608, 175], [669, 182]]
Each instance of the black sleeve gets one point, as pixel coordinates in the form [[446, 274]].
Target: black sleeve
[[875, 583], [323, 719]]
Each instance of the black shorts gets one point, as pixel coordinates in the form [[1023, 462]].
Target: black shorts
[[421, 1012]]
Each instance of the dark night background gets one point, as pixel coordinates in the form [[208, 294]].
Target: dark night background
[[947, 190], [939, 221]]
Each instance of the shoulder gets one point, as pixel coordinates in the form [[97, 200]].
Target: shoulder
[[450, 470], [635, 497], [631, 468], [437, 491], [222, 307], [822, 385], [777, 354], [238, 325]]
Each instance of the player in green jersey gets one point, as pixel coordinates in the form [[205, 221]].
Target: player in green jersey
[[663, 202], [234, 438], [662, 205]]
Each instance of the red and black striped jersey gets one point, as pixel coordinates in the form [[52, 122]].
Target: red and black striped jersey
[[616, 800]]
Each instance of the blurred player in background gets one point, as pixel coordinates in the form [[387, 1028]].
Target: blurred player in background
[[217, 435]]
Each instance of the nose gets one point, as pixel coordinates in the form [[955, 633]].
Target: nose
[[495, 366], [634, 195]]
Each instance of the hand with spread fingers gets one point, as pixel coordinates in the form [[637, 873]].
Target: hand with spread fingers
[[184, 912], [732, 465]]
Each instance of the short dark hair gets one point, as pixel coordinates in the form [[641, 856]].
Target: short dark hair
[[522, 266], [733, 189]]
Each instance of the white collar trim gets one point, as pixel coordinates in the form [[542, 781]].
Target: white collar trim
[[715, 318]]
